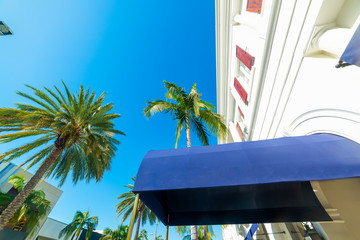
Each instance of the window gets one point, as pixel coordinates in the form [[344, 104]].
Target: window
[[254, 6]]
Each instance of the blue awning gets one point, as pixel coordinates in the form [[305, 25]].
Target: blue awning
[[351, 55], [247, 182], [251, 232]]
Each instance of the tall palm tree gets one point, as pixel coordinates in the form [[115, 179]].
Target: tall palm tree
[[126, 205], [119, 234], [189, 110], [31, 211], [80, 221], [75, 134]]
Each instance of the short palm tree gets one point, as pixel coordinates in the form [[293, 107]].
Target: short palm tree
[[185, 232], [18, 181], [81, 220], [119, 234], [143, 235], [125, 207], [31, 211], [75, 134], [206, 232], [191, 112]]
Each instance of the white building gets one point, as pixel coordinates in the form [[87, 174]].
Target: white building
[[276, 77]]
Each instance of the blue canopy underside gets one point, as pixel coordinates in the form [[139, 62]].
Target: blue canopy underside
[[247, 182], [352, 51]]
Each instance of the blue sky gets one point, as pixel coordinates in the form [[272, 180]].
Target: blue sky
[[123, 48]]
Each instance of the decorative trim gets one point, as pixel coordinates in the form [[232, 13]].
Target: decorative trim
[[244, 57], [239, 130], [335, 121], [241, 113], [313, 45], [243, 94], [254, 6]]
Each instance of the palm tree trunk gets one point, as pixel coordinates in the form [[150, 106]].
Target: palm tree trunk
[[133, 214], [194, 233], [10, 210], [138, 226], [77, 237], [167, 233], [155, 230], [205, 232], [188, 138]]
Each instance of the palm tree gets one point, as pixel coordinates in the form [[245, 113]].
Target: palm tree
[[126, 205], [34, 208], [185, 232], [81, 220], [75, 134], [18, 181], [189, 110], [119, 234], [206, 232], [143, 235]]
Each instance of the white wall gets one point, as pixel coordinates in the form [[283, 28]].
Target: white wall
[[51, 229], [296, 88]]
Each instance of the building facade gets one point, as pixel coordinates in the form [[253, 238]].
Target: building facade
[[49, 228], [52, 194], [52, 228], [276, 77]]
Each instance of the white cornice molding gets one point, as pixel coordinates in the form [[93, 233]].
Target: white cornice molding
[[223, 35], [335, 121]]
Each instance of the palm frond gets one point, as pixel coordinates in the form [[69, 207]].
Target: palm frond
[[215, 123], [18, 181], [174, 92], [19, 151], [194, 99], [200, 130], [179, 128], [157, 106], [44, 105], [125, 207], [45, 98]]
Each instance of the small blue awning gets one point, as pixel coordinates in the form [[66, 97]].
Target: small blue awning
[[351, 55], [251, 232], [247, 182]]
